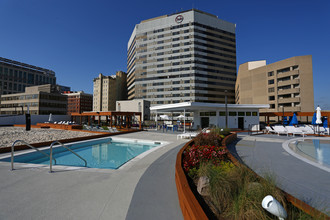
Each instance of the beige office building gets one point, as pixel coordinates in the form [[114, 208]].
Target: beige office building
[[40, 100], [284, 85], [188, 56], [107, 90]]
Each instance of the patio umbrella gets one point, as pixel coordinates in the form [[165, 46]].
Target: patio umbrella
[[285, 120], [325, 123], [294, 120], [314, 119], [164, 117], [50, 119], [290, 118], [318, 115]]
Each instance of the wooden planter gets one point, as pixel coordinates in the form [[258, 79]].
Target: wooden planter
[[192, 209]]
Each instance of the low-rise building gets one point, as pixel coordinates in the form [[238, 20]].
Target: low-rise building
[[79, 102], [135, 105], [39, 100], [213, 114]]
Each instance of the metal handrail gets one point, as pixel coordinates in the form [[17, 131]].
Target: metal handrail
[[12, 152], [51, 155]]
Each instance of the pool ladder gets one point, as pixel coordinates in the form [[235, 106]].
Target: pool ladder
[[50, 155]]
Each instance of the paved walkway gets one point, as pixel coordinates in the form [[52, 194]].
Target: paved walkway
[[265, 155], [143, 189]]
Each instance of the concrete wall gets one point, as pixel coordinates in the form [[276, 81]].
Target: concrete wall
[[20, 119], [220, 121], [136, 105]]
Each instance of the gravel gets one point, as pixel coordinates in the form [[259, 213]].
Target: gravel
[[10, 134]]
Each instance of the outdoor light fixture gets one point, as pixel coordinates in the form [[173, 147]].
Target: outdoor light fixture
[[274, 207]]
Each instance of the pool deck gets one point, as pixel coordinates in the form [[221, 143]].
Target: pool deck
[[265, 155], [142, 189]]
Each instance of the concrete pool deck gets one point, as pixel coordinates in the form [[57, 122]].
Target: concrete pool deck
[[265, 155], [143, 189]]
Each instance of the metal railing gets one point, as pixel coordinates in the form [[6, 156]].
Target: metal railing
[[12, 152], [51, 155]]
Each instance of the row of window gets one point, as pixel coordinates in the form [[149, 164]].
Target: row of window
[[22, 76], [230, 113]]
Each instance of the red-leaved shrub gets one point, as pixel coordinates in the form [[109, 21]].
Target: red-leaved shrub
[[195, 154]]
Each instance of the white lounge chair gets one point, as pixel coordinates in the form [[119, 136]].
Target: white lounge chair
[[307, 129], [279, 129], [293, 130], [269, 130], [190, 134]]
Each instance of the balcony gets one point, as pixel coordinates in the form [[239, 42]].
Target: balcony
[[291, 109], [288, 100], [288, 91], [290, 73], [288, 82]]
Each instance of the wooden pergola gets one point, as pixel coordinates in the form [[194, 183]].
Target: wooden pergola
[[281, 114], [111, 118]]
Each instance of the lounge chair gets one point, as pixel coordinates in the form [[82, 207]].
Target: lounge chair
[[324, 130], [190, 134], [307, 129], [269, 129], [279, 129], [293, 130]]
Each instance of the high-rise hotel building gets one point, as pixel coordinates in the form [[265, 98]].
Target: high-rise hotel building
[[186, 56]]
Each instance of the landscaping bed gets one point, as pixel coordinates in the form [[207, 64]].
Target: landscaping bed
[[225, 189]]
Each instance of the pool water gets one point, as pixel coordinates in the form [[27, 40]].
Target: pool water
[[315, 149], [106, 154]]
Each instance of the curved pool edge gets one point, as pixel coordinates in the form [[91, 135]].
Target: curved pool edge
[[286, 147]]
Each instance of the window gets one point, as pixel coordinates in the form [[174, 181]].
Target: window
[[271, 73], [186, 31], [254, 113], [241, 113], [248, 113], [232, 113], [271, 89], [271, 98], [270, 82], [272, 106], [222, 113]]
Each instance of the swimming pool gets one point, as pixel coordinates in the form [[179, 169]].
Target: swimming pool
[[105, 153], [315, 151]]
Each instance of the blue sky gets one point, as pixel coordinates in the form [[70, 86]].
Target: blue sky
[[79, 39]]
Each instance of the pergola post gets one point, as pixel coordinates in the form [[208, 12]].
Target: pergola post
[[110, 120], [156, 121], [140, 125], [184, 120], [127, 120]]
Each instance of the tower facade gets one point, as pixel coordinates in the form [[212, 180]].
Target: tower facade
[[107, 90], [186, 56], [286, 85]]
